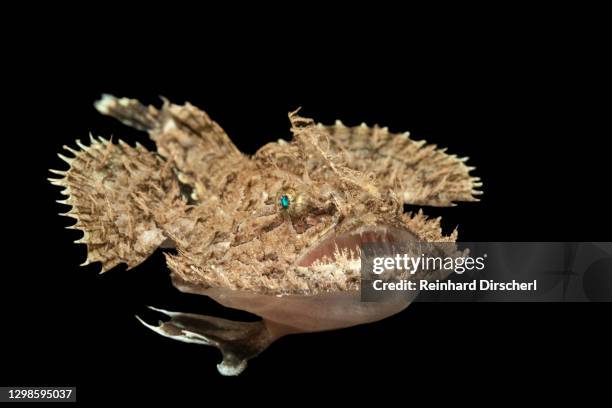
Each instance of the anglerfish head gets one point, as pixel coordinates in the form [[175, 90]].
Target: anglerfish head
[[289, 239]]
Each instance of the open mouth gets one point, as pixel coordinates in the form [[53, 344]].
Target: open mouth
[[348, 245]]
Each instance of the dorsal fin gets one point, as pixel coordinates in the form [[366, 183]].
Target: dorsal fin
[[199, 149]]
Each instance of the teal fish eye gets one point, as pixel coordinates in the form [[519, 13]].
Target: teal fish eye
[[284, 201]]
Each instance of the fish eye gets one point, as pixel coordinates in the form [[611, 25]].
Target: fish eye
[[285, 201]]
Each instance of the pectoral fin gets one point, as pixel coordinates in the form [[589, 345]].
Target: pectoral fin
[[122, 198], [421, 173]]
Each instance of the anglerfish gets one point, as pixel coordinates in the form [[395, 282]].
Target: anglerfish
[[277, 233]]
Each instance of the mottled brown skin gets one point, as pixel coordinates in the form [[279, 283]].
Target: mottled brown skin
[[296, 266], [220, 208]]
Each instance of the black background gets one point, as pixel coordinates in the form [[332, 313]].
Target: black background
[[521, 100]]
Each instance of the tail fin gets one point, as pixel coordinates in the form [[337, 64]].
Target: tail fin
[[120, 196], [237, 341]]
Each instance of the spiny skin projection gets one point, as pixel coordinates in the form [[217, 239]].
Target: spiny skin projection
[[277, 234], [253, 223]]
